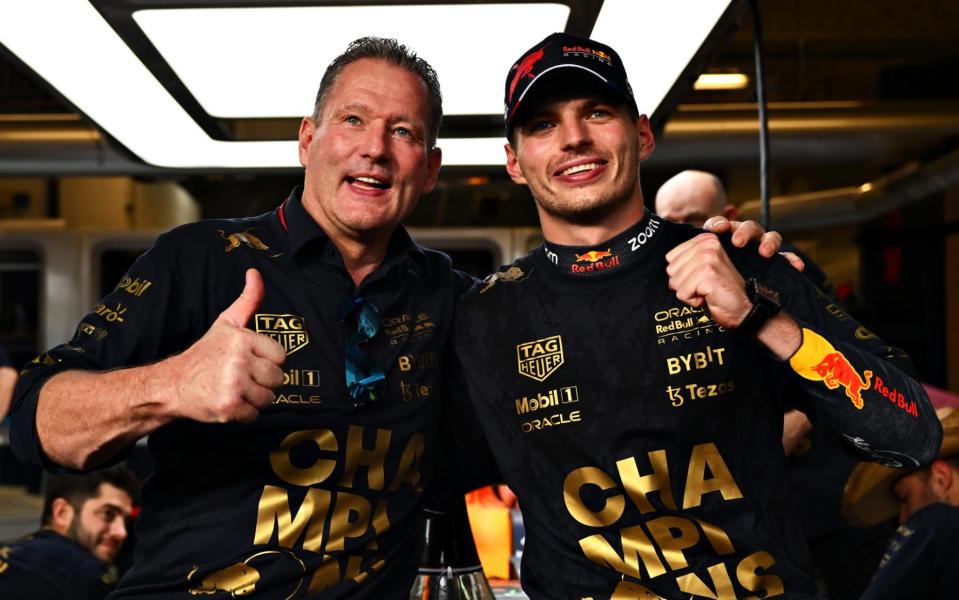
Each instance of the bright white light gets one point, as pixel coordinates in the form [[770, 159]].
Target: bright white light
[[267, 62], [84, 59], [656, 40], [721, 81], [69, 44]]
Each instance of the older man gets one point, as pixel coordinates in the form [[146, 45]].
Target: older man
[[291, 418], [628, 371]]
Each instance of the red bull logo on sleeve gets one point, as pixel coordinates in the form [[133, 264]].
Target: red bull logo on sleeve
[[835, 370], [895, 396]]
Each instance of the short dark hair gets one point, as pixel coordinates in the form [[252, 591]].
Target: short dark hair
[[390, 50], [77, 489]]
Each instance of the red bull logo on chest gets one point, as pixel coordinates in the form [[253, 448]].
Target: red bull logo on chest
[[596, 260]]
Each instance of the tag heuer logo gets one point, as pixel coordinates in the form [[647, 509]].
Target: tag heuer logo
[[288, 330], [538, 359]]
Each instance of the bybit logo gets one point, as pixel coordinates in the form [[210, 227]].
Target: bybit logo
[[288, 330], [540, 358], [695, 360]]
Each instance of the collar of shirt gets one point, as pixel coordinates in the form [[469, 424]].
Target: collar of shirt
[[304, 234], [607, 258]]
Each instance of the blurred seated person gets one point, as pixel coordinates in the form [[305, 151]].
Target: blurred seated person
[[83, 526], [922, 558]]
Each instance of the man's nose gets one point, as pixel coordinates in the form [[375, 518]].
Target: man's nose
[[574, 133], [118, 529], [375, 141]]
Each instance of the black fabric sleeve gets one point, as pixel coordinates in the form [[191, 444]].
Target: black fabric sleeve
[[850, 378], [145, 318], [464, 460], [462, 282]]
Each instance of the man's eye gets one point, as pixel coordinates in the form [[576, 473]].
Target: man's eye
[[403, 132], [599, 113], [353, 120], [540, 125], [109, 515]]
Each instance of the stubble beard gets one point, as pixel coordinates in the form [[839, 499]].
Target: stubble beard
[[589, 208], [82, 536]]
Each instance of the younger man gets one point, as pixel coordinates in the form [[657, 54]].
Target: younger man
[[84, 524], [628, 372]]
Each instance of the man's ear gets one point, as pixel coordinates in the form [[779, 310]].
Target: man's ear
[[647, 141], [307, 128], [731, 212], [62, 514], [434, 158], [941, 478], [512, 165]]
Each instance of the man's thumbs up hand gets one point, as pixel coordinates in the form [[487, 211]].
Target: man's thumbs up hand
[[230, 373]]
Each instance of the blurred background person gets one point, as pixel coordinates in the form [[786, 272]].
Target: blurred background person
[[920, 561], [83, 527], [8, 379], [843, 557]]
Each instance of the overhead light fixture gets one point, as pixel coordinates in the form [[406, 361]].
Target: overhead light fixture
[[105, 80], [721, 81], [255, 56], [671, 34], [267, 61]]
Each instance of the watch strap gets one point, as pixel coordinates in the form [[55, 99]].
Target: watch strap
[[765, 306]]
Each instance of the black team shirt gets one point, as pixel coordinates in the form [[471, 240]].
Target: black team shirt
[[643, 440], [48, 566], [317, 497]]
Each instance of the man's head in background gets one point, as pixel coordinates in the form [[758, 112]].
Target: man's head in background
[[692, 197], [92, 509], [875, 493]]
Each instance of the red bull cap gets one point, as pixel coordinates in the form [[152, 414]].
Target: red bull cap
[[569, 56]]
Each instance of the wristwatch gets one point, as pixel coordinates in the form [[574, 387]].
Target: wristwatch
[[765, 306]]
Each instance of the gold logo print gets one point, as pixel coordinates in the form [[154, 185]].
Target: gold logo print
[[540, 358], [136, 287], [288, 330], [238, 579], [244, 237], [510, 274]]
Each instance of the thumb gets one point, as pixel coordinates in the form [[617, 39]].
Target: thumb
[[242, 309]]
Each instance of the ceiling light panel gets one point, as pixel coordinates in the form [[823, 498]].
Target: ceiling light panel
[[656, 40], [267, 62]]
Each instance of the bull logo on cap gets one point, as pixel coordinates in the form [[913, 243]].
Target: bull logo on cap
[[524, 68]]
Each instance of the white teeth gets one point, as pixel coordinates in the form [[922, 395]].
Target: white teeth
[[579, 168], [369, 180]]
